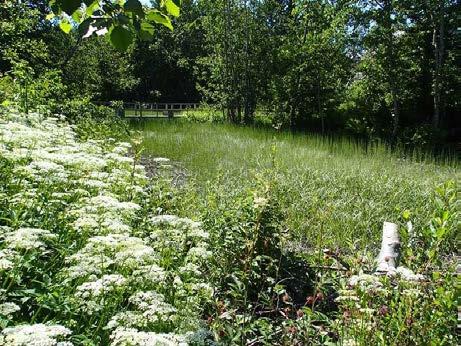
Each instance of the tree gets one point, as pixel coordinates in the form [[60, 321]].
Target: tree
[[120, 21], [312, 67]]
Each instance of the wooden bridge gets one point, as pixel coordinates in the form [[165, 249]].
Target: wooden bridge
[[152, 110]]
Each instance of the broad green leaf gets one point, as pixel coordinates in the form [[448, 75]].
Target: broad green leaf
[[65, 26], [146, 31], [91, 7], [121, 37], [147, 27], [123, 19], [69, 6], [160, 18], [172, 8], [134, 6], [77, 16]]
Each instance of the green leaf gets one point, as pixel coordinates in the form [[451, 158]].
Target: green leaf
[[146, 31], [147, 27], [69, 6], [134, 6], [406, 214], [91, 7], [123, 19], [440, 232], [172, 8], [160, 18], [65, 26], [77, 16], [121, 37]]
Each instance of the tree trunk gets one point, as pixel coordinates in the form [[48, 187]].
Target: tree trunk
[[249, 92], [438, 41], [295, 99], [319, 105], [391, 65], [388, 256], [395, 114]]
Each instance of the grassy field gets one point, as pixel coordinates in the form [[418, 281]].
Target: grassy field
[[93, 252], [333, 193]]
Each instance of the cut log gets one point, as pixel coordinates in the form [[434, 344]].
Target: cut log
[[388, 256]]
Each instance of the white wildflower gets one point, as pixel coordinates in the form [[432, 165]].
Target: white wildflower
[[150, 309], [94, 183], [190, 269], [28, 238], [203, 288], [149, 274], [365, 281], [260, 202], [7, 259], [409, 275], [133, 337], [199, 252], [164, 219], [115, 225], [367, 311], [33, 335], [102, 286], [8, 308]]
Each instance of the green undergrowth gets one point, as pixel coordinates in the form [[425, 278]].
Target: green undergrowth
[[95, 250], [332, 192]]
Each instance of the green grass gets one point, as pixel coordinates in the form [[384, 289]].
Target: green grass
[[333, 193]]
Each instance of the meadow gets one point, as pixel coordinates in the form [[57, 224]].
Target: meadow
[[336, 192], [266, 238]]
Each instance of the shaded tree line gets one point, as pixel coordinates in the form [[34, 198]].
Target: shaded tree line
[[375, 68]]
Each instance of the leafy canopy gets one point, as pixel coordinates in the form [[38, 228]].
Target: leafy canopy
[[119, 20]]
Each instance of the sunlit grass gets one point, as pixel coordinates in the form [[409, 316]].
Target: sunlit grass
[[334, 191]]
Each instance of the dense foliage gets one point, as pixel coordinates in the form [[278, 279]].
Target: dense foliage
[[93, 252], [249, 236], [383, 68]]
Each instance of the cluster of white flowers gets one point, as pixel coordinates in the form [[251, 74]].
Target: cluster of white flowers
[[132, 337], [7, 259], [408, 275], [149, 275], [34, 335], [366, 282], [91, 187], [150, 309], [92, 295], [7, 309], [347, 296], [104, 214], [172, 232], [102, 252], [27, 238]]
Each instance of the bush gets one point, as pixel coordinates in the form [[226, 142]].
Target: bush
[[93, 121]]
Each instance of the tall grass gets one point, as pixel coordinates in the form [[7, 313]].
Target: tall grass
[[334, 191]]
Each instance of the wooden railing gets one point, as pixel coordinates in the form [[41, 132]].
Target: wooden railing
[[152, 110]]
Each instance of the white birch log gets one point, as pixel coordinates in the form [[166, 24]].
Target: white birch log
[[388, 256]]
